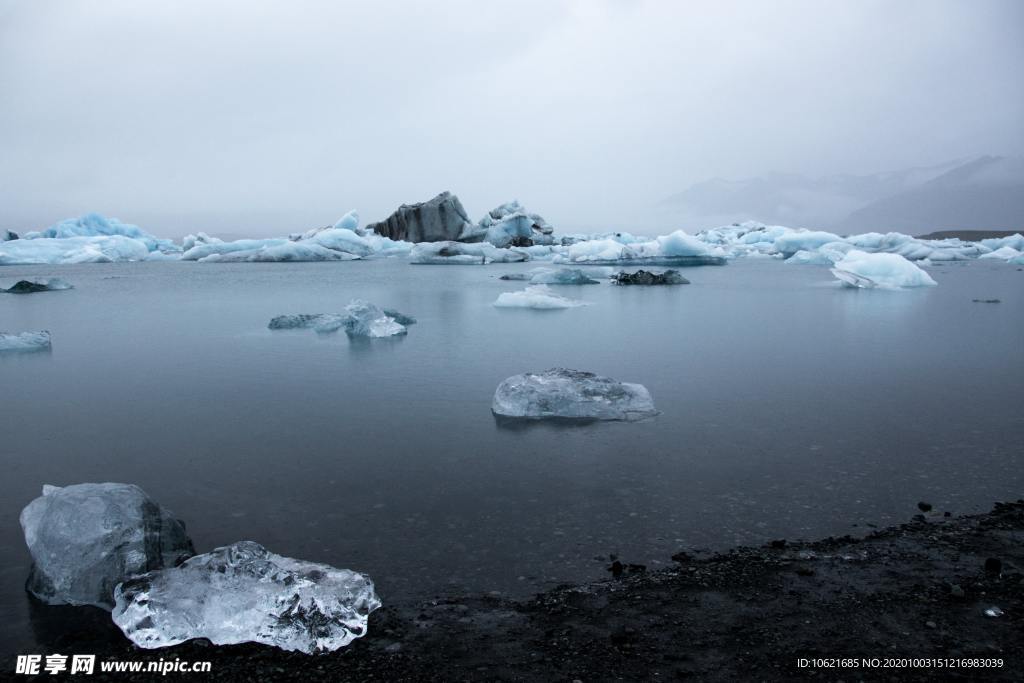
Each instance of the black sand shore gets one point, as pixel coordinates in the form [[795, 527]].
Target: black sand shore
[[915, 591]]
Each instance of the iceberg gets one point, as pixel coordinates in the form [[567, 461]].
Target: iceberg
[[510, 225], [1002, 253], [539, 297], [465, 254], [86, 538], [53, 284], [8, 235], [676, 249], [884, 271], [95, 225], [643, 277], [439, 219], [360, 319], [350, 221], [803, 240], [284, 252], [574, 394], [24, 341], [244, 593], [562, 276], [57, 251]]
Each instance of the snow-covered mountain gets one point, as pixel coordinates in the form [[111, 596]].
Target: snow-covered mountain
[[980, 193]]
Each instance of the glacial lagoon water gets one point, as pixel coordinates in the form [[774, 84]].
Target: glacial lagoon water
[[790, 408]]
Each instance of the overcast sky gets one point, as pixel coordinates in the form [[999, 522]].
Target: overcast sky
[[263, 118]]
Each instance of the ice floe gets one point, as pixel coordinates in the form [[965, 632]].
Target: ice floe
[[244, 593], [24, 341], [884, 271], [539, 297], [360, 319], [564, 393]]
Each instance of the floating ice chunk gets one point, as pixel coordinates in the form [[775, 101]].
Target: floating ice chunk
[[1016, 241], [825, 255], [563, 276], [458, 253], [1002, 253], [95, 225], [363, 319], [244, 593], [510, 225], [885, 271], [53, 284], [360, 319], [563, 393], [643, 277], [536, 296], [87, 538], [71, 250], [24, 341], [8, 235], [676, 249]]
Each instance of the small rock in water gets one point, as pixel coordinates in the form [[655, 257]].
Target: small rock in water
[[924, 507], [986, 301], [644, 277], [779, 544], [244, 593], [956, 591], [574, 394], [516, 276], [87, 538], [993, 565]]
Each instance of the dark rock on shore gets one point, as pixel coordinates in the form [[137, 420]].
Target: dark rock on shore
[[644, 277], [741, 615], [437, 220]]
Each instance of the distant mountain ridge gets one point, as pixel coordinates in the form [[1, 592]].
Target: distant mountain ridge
[[982, 193]]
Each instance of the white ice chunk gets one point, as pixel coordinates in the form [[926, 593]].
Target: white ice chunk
[[86, 538], [24, 341], [536, 296], [57, 251], [284, 252], [803, 240], [563, 393], [885, 271], [244, 593], [1002, 253], [350, 221]]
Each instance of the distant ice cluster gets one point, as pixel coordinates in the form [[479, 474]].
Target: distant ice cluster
[[510, 233]]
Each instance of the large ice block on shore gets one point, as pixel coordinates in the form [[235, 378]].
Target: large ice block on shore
[[244, 593], [883, 271], [564, 393], [86, 538]]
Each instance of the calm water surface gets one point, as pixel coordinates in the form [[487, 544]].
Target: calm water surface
[[791, 408]]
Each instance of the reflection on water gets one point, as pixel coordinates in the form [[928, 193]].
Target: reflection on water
[[790, 408]]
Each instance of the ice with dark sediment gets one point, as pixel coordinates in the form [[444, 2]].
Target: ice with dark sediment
[[360, 319], [244, 593], [86, 538], [572, 394]]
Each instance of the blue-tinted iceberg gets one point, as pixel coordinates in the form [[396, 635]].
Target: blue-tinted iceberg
[[675, 249], [574, 394], [24, 341], [1002, 254], [884, 271], [87, 538], [95, 225], [243, 593], [511, 225], [540, 297]]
